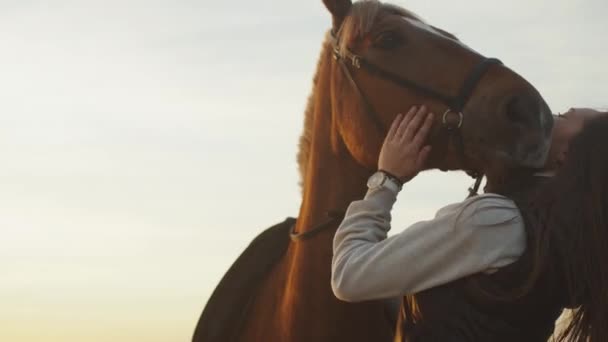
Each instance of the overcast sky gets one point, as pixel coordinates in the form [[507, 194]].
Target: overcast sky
[[145, 143]]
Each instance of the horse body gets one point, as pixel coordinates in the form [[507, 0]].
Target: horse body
[[339, 150]]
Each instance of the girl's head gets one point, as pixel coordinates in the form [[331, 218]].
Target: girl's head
[[576, 221], [585, 162], [566, 126]]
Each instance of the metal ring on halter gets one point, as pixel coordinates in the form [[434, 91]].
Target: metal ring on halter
[[445, 119]]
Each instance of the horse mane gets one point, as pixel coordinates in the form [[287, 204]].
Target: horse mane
[[305, 142], [359, 21]]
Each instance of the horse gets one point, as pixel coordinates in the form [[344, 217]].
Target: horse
[[377, 60]]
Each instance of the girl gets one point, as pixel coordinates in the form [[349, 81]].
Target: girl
[[476, 272]]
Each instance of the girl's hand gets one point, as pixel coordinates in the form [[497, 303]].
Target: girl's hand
[[404, 153]]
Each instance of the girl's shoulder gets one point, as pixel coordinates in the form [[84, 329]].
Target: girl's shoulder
[[483, 210]]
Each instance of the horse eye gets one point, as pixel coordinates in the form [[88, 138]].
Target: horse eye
[[388, 40]]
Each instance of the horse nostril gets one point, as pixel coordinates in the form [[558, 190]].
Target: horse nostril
[[519, 110], [523, 110]]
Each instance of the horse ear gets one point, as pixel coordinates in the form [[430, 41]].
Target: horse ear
[[338, 9]]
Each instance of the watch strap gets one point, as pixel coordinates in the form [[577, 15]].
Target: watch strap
[[393, 177], [385, 181]]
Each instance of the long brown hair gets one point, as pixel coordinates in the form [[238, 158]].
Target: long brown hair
[[571, 213]]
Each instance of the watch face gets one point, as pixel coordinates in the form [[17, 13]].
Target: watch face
[[376, 180]]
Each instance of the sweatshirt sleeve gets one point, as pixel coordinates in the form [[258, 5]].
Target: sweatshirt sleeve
[[480, 234]]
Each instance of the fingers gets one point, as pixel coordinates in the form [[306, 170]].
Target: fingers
[[414, 124], [400, 134], [394, 127], [421, 135], [413, 127], [403, 151]]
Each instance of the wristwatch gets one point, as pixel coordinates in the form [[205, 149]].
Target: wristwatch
[[384, 179]]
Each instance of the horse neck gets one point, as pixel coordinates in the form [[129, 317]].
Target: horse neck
[[333, 180], [333, 177]]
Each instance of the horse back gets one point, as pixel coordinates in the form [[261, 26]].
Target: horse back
[[228, 306]]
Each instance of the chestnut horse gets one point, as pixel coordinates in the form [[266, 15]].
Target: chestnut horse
[[377, 61]]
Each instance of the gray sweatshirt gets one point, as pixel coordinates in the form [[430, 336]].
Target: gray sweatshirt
[[479, 234]]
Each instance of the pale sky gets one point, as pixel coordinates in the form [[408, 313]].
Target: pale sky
[[145, 143]]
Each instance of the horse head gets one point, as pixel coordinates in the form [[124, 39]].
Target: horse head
[[388, 59]]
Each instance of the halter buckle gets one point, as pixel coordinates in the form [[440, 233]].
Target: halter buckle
[[445, 119], [356, 62], [336, 54]]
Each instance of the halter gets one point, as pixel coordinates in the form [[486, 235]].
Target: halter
[[455, 105]]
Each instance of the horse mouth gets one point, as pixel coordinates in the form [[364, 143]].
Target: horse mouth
[[536, 159], [525, 155]]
